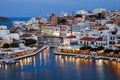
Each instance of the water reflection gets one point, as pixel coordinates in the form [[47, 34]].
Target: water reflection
[[64, 59], [27, 61], [100, 65]]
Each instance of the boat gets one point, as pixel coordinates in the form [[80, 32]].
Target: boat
[[10, 61], [118, 59], [86, 56], [96, 57], [77, 56], [111, 59]]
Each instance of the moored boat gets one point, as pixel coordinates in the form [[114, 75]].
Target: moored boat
[[118, 59]]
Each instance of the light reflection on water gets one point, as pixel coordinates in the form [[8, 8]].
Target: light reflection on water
[[49, 64], [100, 64]]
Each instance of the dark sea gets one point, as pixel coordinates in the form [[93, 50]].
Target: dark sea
[[11, 19]]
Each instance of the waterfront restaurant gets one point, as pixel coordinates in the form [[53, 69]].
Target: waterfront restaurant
[[69, 49]]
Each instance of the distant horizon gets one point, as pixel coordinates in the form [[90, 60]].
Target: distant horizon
[[43, 8]]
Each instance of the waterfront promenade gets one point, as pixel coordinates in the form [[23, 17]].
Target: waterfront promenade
[[24, 56], [96, 57]]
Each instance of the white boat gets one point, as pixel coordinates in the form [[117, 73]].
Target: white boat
[[11, 61], [96, 57], [86, 56], [111, 59], [118, 59]]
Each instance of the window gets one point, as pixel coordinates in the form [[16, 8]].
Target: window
[[84, 43], [80, 42], [93, 34], [110, 38], [92, 42], [113, 38], [87, 43], [113, 42]]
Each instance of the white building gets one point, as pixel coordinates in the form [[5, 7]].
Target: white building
[[6, 35], [3, 27], [14, 36], [28, 36], [99, 10], [65, 30], [108, 33], [32, 24], [19, 23], [77, 29], [91, 41], [56, 31]]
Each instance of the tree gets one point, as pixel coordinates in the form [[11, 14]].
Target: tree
[[6, 45], [100, 48], [31, 30], [93, 49], [108, 50], [29, 42], [14, 45], [116, 51], [85, 48]]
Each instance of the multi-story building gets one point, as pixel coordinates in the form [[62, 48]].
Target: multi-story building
[[65, 30], [77, 29], [48, 30], [91, 41], [53, 19]]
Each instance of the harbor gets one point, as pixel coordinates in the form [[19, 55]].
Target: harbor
[[46, 65]]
